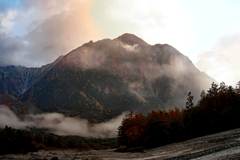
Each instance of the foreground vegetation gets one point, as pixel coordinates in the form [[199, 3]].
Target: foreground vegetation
[[21, 141], [217, 110]]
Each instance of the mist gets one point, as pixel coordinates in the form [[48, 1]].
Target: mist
[[148, 63], [61, 125]]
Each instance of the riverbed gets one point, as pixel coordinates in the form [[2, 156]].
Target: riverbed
[[224, 145]]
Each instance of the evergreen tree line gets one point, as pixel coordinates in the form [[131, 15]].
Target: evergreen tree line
[[217, 110], [22, 141]]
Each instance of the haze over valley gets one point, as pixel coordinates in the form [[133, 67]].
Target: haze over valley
[[89, 74], [100, 80]]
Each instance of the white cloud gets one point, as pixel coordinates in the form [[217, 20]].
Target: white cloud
[[50, 28], [155, 21], [130, 48], [7, 117], [222, 61], [59, 124], [7, 20]]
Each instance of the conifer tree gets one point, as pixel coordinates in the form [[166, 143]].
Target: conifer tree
[[189, 103]]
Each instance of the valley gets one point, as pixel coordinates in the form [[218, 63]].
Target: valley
[[206, 147], [85, 92], [119, 80]]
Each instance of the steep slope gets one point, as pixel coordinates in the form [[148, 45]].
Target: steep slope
[[101, 79], [15, 80]]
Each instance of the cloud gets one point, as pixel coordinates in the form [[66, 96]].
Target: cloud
[[6, 20], [222, 61], [156, 21], [95, 55], [59, 124], [44, 30], [7, 117], [40, 31], [130, 48]]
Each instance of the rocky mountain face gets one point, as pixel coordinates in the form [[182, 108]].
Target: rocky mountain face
[[102, 79], [15, 80]]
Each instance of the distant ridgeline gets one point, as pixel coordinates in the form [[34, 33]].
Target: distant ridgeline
[[100, 80], [15, 80], [217, 110]]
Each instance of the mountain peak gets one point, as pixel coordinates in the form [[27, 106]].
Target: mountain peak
[[131, 39]]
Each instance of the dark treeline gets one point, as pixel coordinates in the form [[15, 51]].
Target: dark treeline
[[22, 141], [217, 110]]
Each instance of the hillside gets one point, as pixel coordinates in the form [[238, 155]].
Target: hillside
[[101, 79], [15, 80]]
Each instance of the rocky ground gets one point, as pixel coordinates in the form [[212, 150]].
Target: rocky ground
[[220, 146]]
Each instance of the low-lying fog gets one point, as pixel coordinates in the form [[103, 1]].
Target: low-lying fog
[[59, 124]]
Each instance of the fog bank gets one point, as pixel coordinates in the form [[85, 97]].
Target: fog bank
[[61, 125]]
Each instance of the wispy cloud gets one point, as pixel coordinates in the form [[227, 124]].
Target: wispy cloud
[[222, 61], [156, 21], [39, 31], [59, 124]]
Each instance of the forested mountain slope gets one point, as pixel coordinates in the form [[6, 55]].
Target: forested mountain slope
[[101, 79]]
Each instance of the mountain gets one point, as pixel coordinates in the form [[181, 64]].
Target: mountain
[[99, 80], [15, 80]]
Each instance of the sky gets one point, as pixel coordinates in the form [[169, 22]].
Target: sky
[[36, 32]]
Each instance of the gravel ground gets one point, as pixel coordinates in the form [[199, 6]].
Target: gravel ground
[[206, 147]]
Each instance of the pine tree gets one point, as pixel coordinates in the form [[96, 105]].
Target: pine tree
[[189, 103], [238, 87], [203, 94], [238, 84]]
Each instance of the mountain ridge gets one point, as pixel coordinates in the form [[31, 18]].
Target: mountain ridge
[[107, 77], [15, 80], [102, 79]]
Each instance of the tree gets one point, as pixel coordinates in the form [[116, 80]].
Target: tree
[[213, 91], [203, 94], [157, 129], [238, 87], [238, 84], [189, 103], [134, 136], [128, 122]]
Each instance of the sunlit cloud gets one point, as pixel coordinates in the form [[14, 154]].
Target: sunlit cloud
[[6, 20], [155, 21], [44, 30], [34, 33], [222, 61]]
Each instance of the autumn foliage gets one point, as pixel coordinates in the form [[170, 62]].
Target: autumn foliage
[[217, 110], [137, 129]]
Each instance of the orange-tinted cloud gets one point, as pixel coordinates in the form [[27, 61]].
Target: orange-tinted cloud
[[53, 28]]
